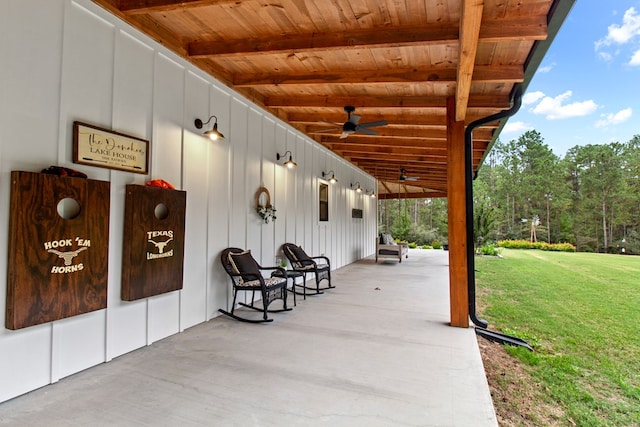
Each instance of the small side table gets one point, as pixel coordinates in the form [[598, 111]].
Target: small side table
[[293, 275]]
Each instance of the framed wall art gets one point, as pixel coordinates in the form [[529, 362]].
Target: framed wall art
[[104, 148]]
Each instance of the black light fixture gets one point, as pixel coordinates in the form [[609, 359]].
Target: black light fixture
[[373, 194], [289, 163], [358, 187], [332, 179], [213, 133]]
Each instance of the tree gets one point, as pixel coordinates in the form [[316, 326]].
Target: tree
[[596, 178], [525, 185], [485, 209], [590, 198]]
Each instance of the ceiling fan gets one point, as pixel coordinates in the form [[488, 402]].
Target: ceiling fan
[[352, 124], [404, 177]]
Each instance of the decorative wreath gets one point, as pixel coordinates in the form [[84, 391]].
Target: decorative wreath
[[263, 205]]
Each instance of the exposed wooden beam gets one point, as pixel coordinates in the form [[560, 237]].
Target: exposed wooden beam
[[469, 32], [481, 74], [136, 7], [392, 168], [522, 28], [431, 159], [384, 185], [475, 101], [389, 147], [421, 155], [424, 191], [427, 181], [424, 35], [393, 186], [395, 119], [392, 176], [392, 130], [385, 131], [430, 194], [412, 136], [425, 184], [315, 119]]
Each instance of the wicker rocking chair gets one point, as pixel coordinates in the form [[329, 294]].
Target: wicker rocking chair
[[246, 276], [305, 264]]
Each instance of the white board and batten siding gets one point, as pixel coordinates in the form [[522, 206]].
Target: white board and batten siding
[[65, 60]]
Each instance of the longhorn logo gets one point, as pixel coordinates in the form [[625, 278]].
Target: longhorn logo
[[67, 256], [160, 245]]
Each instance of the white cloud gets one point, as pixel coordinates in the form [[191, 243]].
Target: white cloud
[[614, 118], [635, 59], [532, 98], [606, 56], [514, 127], [620, 34], [546, 68], [555, 108], [630, 28]]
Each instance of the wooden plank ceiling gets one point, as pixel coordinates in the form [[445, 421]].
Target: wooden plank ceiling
[[395, 61]]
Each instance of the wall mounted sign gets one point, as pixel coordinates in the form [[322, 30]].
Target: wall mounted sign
[[153, 246], [356, 213], [105, 148], [58, 248]]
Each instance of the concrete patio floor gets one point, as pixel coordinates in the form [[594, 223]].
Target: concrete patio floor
[[375, 351]]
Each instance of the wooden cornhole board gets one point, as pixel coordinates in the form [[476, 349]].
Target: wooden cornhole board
[[153, 247], [57, 267]]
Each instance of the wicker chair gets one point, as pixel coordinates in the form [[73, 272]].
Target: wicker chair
[[246, 276], [319, 266]]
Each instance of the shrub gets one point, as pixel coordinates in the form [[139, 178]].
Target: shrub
[[422, 235], [490, 250], [436, 245], [425, 247], [544, 246], [413, 245], [562, 247]]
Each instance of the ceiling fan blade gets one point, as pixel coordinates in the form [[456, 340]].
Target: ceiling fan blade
[[326, 130], [404, 177], [354, 118], [373, 124], [330, 123], [366, 131], [351, 125]]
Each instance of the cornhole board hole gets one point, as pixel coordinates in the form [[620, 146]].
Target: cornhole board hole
[[58, 248], [153, 247]]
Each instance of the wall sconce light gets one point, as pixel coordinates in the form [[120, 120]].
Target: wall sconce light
[[289, 163], [373, 194], [358, 187], [213, 133], [332, 179]]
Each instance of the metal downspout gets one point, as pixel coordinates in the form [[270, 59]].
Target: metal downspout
[[471, 276]]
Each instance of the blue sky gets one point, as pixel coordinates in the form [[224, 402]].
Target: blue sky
[[587, 89]]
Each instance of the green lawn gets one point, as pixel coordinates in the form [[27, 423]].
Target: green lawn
[[582, 314]]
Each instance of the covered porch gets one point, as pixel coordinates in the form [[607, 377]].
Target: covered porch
[[375, 351]]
